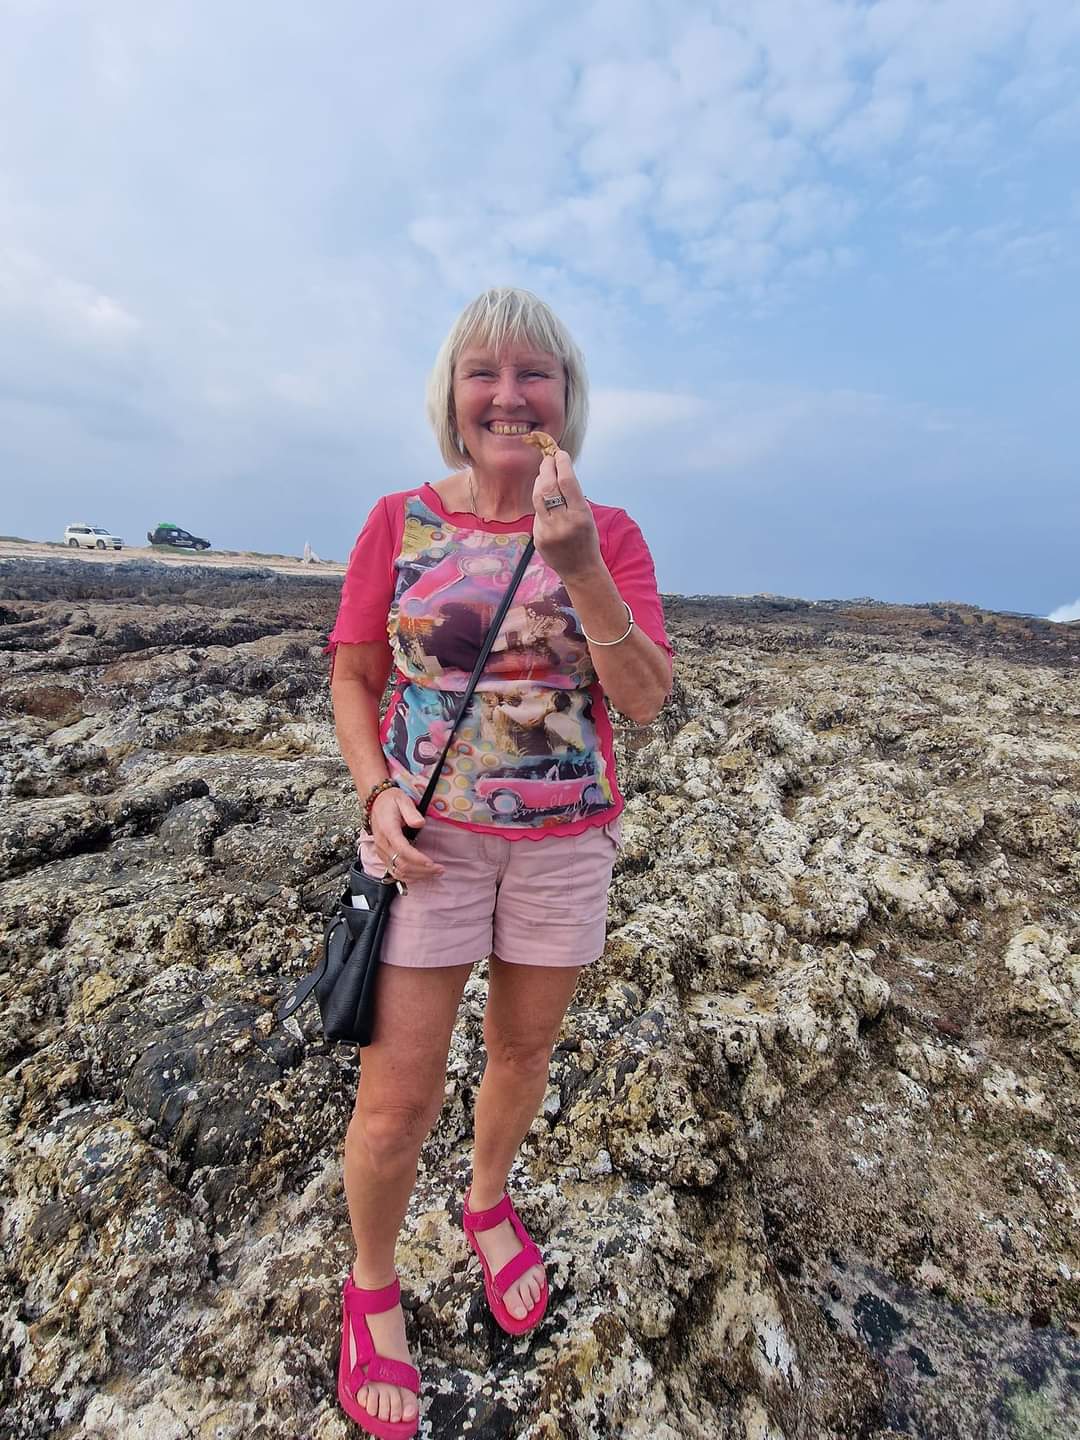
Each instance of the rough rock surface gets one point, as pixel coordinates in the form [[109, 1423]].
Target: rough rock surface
[[808, 1162]]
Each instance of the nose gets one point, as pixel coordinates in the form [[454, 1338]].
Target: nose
[[508, 394]]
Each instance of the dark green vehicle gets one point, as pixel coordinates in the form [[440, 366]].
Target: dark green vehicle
[[167, 534]]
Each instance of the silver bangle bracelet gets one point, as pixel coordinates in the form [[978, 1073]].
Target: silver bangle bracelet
[[622, 637]]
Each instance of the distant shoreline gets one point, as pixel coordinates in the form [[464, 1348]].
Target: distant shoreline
[[14, 548], [764, 606]]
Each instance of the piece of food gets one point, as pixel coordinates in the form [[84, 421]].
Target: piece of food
[[542, 442]]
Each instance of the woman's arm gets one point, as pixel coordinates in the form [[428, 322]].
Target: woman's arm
[[635, 673], [359, 679]]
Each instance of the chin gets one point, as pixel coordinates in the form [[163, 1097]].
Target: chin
[[507, 457]]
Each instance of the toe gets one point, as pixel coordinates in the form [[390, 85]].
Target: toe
[[530, 1290]]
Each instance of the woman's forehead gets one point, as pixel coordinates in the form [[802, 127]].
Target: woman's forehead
[[508, 352]]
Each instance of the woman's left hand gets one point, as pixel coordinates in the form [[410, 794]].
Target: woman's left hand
[[565, 536]]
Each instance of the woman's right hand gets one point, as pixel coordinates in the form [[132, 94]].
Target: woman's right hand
[[392, 811]]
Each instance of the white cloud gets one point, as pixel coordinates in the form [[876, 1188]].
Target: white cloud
[[1027, 253], [257, 226], [750, 424], [737, 135], [617, 412], [917, 192], [1066, 612], [639, 138], [875, 126], [1061, 123], [1005, 246], [71, 309]]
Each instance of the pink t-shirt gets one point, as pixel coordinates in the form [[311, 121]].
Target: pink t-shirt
[[533, 756]]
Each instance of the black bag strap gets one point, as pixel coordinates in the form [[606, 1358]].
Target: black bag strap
[[304, 988], [478, 670]]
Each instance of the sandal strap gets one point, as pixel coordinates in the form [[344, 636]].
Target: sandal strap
[[487, 1219], [369, 1366], [513, 1270], [389, 1372], [371, 1302]]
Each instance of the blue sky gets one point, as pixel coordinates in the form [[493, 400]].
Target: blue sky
[[822, 259]]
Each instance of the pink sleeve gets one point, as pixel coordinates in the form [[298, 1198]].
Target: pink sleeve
[[369, 583], [627, 557]]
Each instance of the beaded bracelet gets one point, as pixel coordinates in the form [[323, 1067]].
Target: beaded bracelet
[[622, 637], [372, 796]]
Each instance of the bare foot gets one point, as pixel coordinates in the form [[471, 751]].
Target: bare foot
[[382, 1401], [500, 1245]]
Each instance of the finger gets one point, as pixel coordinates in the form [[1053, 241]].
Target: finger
[[546, 490], [547, 480], [412, 864], [390, 829], [408, 811], [409, 863], [566, 478]]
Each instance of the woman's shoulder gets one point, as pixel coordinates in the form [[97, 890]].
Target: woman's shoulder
[[437, 498], [389, 511], [609, 514], [395, 500], [613, 523]]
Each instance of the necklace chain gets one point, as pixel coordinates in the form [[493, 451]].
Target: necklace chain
[[474, 504]]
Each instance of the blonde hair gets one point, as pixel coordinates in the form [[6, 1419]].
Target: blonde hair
[[497, 318]]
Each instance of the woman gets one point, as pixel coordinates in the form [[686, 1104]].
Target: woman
[[514, 860]]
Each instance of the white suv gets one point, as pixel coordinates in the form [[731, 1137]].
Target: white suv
[[91, 537]]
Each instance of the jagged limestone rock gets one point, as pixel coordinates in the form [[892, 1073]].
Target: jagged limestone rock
[[806, 1165]]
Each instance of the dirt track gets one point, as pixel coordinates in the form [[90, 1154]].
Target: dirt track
[[213, 560]]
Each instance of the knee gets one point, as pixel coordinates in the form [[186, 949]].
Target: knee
[[389, 1136], [525, 1057]]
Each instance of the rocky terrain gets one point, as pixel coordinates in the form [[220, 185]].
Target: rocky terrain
[[808, 1163]]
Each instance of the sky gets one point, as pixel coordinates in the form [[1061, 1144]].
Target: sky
[[821, 255]]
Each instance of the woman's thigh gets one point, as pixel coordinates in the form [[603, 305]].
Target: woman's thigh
[[525, 1007], [405, 1064]]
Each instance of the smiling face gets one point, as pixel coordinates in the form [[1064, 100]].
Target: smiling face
[[500, 396]]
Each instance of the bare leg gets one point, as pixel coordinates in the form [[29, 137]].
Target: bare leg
[[402, 1079], [525, 1009]]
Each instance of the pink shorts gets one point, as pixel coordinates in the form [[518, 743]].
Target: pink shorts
[[531, 902]]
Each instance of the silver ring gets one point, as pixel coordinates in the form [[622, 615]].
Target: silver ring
[[552, 502], [393, 860]]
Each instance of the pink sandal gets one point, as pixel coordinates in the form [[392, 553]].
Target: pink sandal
[[496, 1286], [370, 1367]]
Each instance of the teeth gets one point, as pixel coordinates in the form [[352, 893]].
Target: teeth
[[510, 429]]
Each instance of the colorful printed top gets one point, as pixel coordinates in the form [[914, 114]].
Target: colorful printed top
[[533, 756]]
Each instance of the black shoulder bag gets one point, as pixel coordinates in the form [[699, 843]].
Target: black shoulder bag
[[344, 979]]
